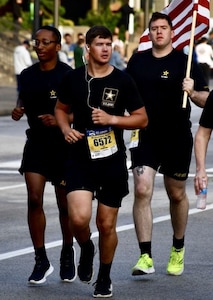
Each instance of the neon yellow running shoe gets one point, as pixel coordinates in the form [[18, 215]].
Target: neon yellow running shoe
[[176, 261], [144, 265]]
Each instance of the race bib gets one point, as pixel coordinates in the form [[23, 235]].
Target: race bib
[[134, 140], [101, 142]]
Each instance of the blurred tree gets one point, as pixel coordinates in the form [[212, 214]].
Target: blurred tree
[[103, 16], [47, 7], [75, 10]]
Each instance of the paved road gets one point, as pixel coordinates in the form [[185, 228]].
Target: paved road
[[8, 96], [16, 253]]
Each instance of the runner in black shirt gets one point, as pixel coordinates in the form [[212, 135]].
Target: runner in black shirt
[[44, 151], [98, 95], [166, 144]]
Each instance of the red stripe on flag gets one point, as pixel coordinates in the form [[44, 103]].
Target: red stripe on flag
[[181, 13]]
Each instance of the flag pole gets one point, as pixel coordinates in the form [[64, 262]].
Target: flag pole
[[191, 45]]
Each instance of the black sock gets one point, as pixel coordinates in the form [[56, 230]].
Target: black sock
[[104, 271], [178, 243], [88, 245], [67, 247], [145, 247], [41, 252]]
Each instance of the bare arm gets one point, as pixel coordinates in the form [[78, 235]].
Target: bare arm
[[50, 120], [198, 97], [18, 111], [202, 137], [64, 119], [137, 119]]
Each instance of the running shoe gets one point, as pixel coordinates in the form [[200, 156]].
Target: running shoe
[[103, 289], [41, 270], [176, 261], [144, 265], [85, 267], [68, 271]]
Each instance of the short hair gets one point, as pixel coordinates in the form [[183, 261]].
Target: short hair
[[203, 39], [54, 30], [97, 30], [67, 34], [158, 15]]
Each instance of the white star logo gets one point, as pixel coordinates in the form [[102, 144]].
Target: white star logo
[[110, 95]]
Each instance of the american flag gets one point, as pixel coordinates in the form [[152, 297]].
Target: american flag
[[181, 12]]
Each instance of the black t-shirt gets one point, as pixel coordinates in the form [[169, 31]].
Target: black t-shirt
[[39, 93], [114, 94], [159, 81], [206, 119]]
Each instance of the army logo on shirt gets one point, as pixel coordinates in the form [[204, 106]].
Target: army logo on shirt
[[165, 74], [53, 94], [109, 97]]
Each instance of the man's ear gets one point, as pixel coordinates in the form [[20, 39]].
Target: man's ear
[[58, 47]]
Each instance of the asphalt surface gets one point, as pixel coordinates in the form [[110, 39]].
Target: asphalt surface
[[16, 253], [8, 96]]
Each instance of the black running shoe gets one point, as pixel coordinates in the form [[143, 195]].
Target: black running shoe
[[68, 270], [103, 289], [85, 267], [41, 270]]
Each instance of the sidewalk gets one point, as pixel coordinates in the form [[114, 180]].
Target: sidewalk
[[8, 97]]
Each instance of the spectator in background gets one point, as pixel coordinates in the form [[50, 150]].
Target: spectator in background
[[117, 59], [68, 47], [79, 51], [63, 57], [210, 39], [117, 41], [17, 11], [125, 11], [194, 54], [204, 57], [22, 60], [17, 17]]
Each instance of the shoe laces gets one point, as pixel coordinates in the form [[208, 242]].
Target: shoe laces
[[87, 255], [100, 283], [66, 259], [145, 258], [39, 263], [176, 257]]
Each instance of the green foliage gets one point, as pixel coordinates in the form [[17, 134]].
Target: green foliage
[[47, 7], [3, 2], [102, 17], [48, 14]]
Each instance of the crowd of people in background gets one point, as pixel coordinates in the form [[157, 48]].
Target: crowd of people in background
[[72, 52], [22, 60]]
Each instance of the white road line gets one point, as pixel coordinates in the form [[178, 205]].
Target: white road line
[[14, 164], [28, 250], [12, 187], [5, 172]]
